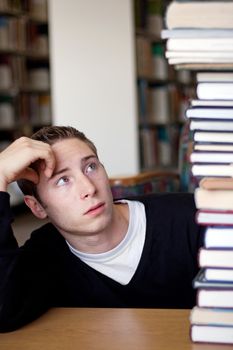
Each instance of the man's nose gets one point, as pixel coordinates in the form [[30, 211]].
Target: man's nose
[[87, 187]]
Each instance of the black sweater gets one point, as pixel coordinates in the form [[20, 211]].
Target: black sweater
[[44, 273]]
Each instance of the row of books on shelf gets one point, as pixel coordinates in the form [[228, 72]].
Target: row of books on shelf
[[158, 146], [15, 72], [30, 108], [161, 103], [19, 35], [36, 8], [199, 36]]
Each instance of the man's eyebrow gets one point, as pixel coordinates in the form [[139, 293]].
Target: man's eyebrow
[[83, 160]]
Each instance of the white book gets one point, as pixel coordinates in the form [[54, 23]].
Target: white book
[[215, 298], [223, 275], [214, 76], [212, 334], [201, 60], [210, 113], [199, 54], [212, 170], [218, 237], [199, 14], [216, 137], [212, 147], [213, 199], [211, 316], [206, 217], [216, 258], [211, 125], [211, 103], [196, 33], [211, 157], [199, 44], [220, 91]]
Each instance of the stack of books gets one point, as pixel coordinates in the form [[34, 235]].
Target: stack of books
[[199, 34], [200, 37]]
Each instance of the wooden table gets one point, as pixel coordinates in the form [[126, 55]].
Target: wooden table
[[111, 329]]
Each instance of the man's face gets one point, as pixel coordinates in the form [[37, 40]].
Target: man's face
[[77, 198]]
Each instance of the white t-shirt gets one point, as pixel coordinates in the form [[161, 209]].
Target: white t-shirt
[[120, 263]]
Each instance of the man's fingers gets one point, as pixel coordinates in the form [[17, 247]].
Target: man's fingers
[[29, 174]]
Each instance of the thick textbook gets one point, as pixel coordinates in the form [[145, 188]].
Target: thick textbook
[[211, 157], [219, 258], [211, 103], [213, 136], [200, 44], [210, 113], [214, 217], [199, 14], [202, 170], [220, 298], [221, 275], [211, 125], [218, 237], [215, 76], [215, 90], [190, 33], [212, 334], [213, 199], [212, 316], [201, 282], [213, 147]]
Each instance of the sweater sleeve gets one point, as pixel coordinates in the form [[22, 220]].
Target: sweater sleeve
[[23, 280]]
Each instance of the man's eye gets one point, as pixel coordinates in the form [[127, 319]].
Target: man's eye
[[91, 167], [62, 181]]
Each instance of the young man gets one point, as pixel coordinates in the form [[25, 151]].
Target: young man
[[94, 252]]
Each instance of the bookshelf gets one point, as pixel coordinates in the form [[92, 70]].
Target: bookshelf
[[163, 92], [25, 98], [24, 68]]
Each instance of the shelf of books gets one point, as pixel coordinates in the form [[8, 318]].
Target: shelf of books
[[163, 92], [199, 37], [24, 71]]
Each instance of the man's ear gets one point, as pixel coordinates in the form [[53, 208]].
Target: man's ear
[[35, 207]]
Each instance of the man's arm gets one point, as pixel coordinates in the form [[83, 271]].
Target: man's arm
[[21, 271]]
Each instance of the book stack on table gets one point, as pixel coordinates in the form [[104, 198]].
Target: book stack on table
[[200, 37]]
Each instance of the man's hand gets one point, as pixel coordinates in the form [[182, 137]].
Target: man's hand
[[15, 161]]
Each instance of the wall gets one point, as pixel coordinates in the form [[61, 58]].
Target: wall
[[93, 76]]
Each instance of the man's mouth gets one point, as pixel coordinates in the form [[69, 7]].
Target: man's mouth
[[95, 209]]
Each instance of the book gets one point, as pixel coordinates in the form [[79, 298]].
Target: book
[[211, 125], [201, 44], [211, 103], [219, 90], [199, 14], [202, 170], [190, 33], [201, 282], [218, 237], [216, 183], [212, 147], [206, 55], [213, 199], [212, 274], [214, 76], [220, 298], [211, 334], [217, 137], [210, 113], [215, 258], [210, 60], [211, 157], [214, 217], [211, 316]]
